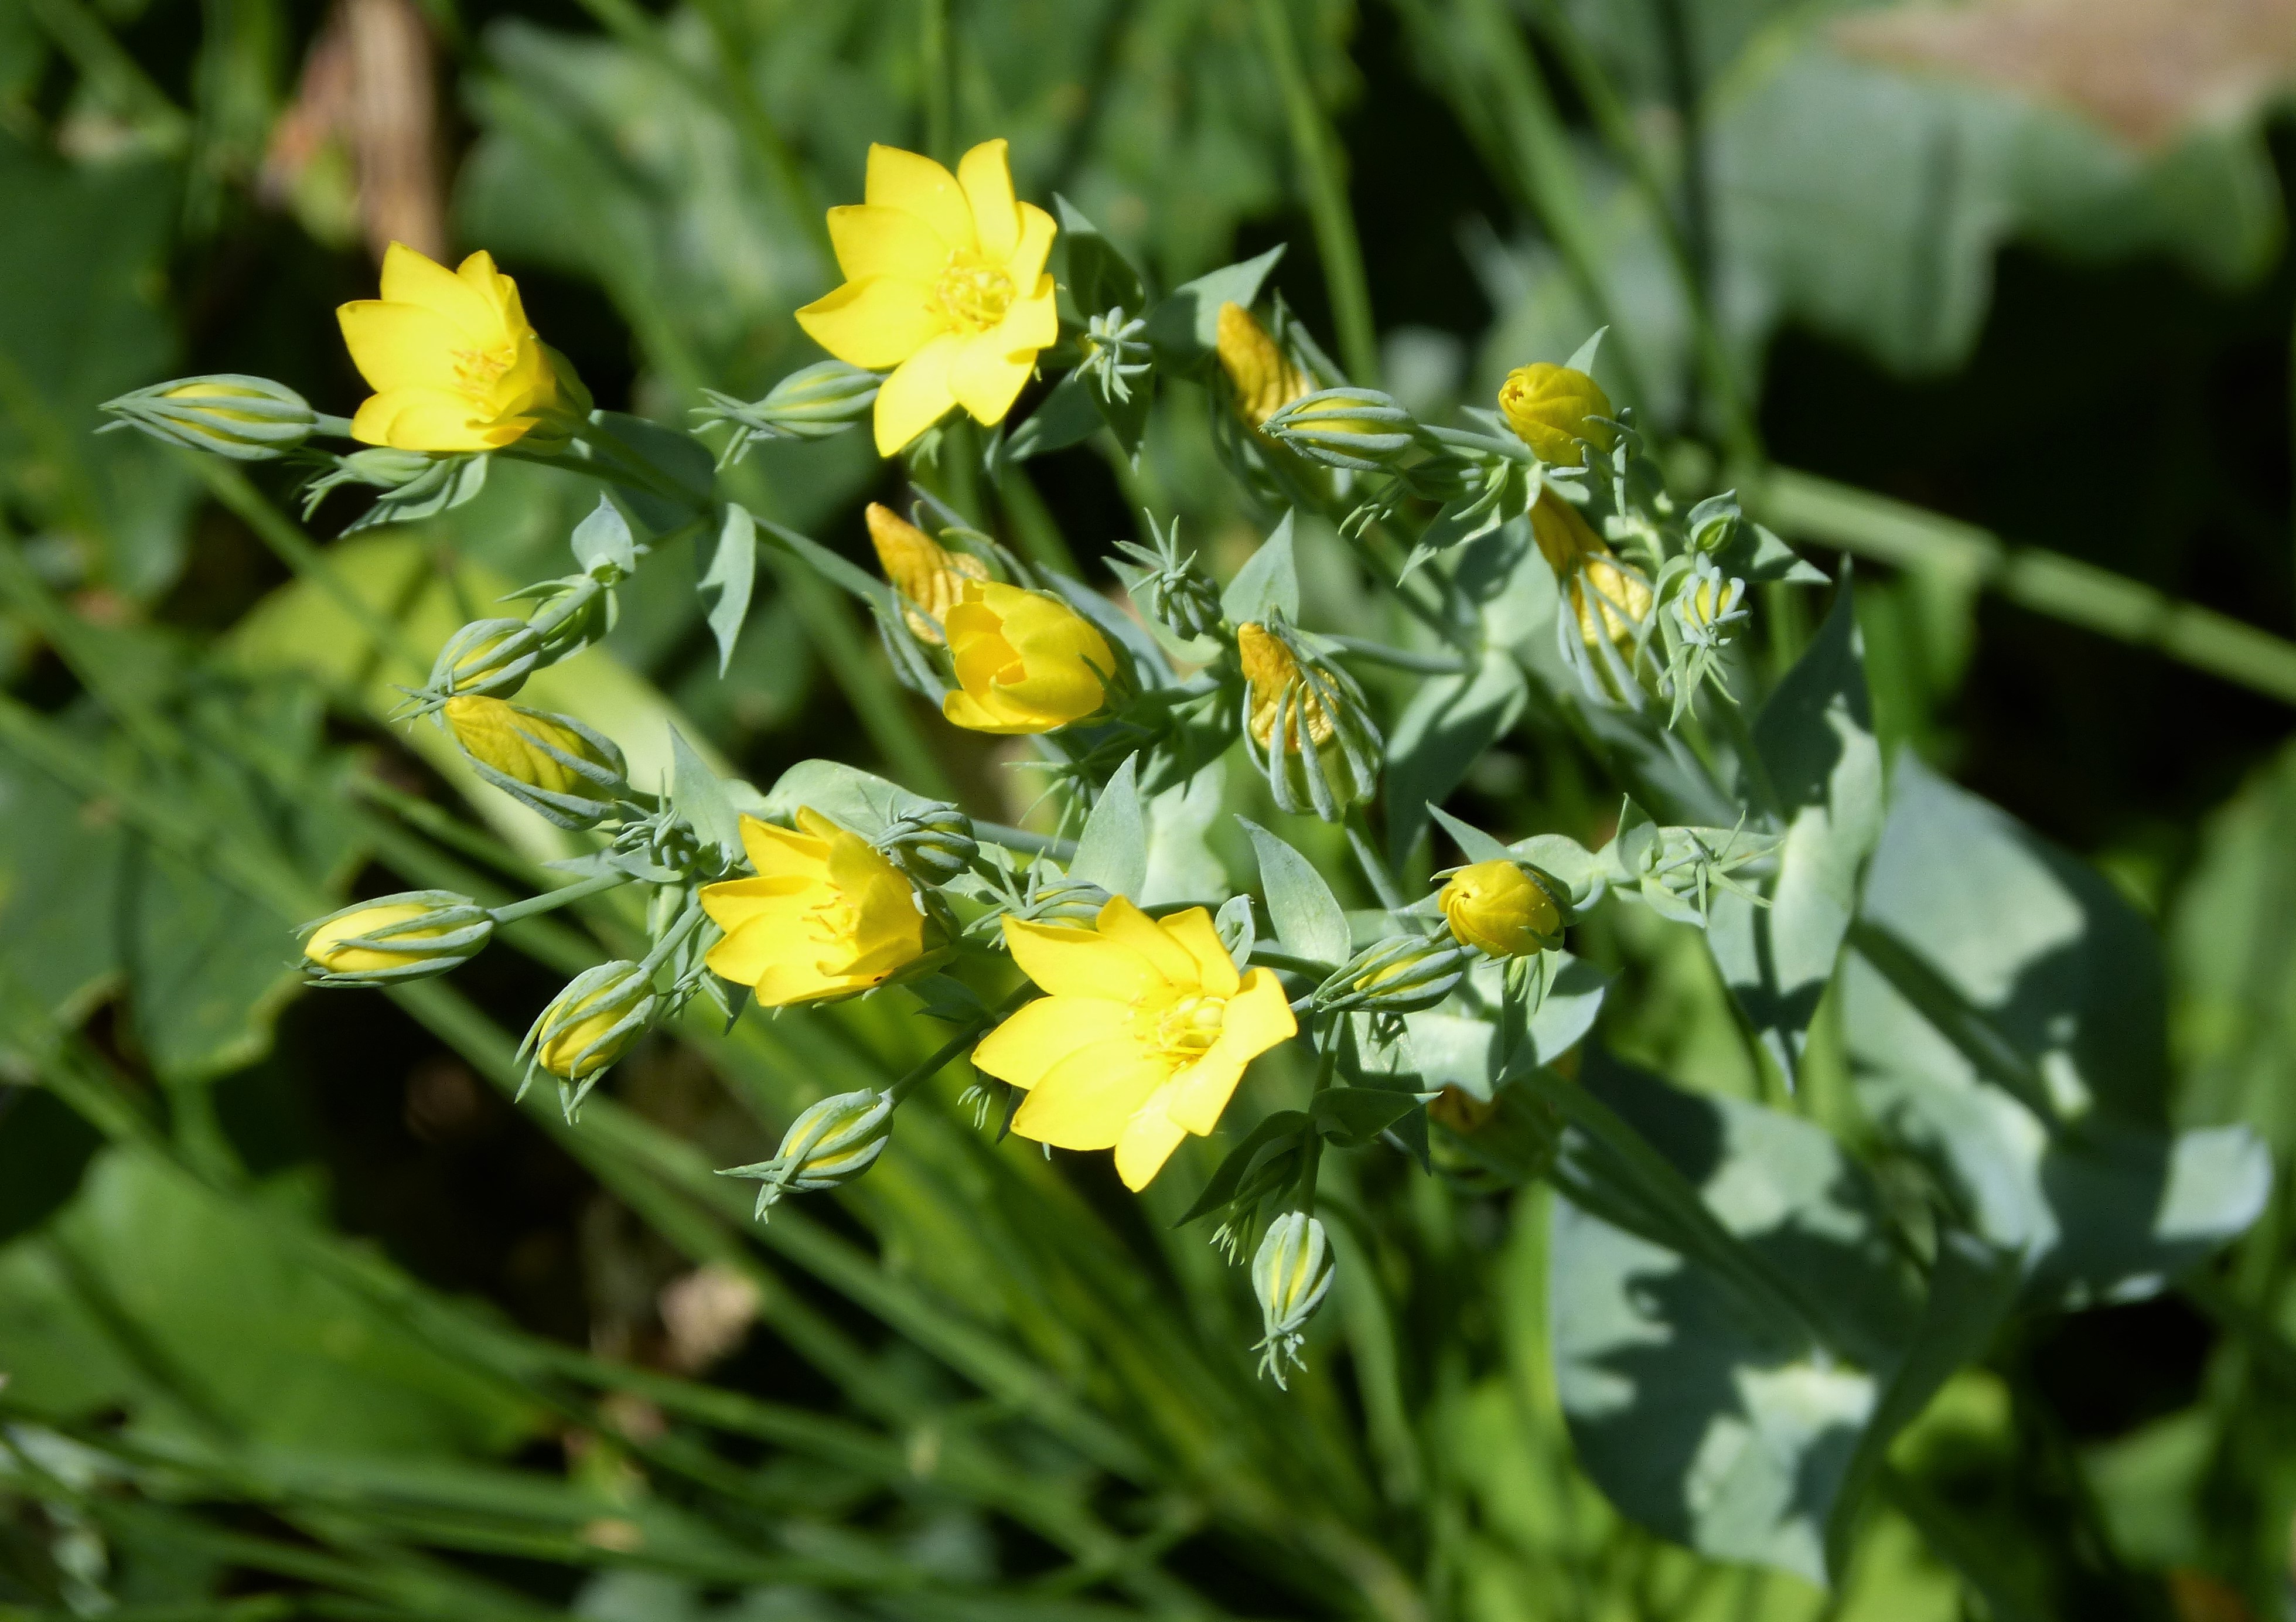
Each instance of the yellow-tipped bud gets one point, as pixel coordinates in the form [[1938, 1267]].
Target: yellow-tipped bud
[[1499, 907], [1026, 661], [1272, 672], [1550, 408], [249, 419], [407, 936], [1264, 377], [588, 1025], [1291, 1274], [552, 763], [927, 573], [1608, 598], [831, 1144]]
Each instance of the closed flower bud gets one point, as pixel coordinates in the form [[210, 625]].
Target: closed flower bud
[[1350, 427], [1291, 1274], [588, 1025], [1398, 976], [553, 764], [932, 846], [1551, 409], [1708, 605], [1175, 590], [1609, 600], [1505, 908], [486, 658], [811, 403], [928, 574], [407, 936], [825, 915], [1262, 375], [1026, 661], [1306, 721], [249, 419], [829, 1145]]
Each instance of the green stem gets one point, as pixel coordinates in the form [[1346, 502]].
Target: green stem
[[1315, 147], [1367, 858], [550, 901]]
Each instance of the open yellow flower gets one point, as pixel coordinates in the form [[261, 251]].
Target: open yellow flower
[[826, 915], [1025, 662], [1548, 407], [922, 570], [944, 284], [1142, 1038], [450, 357]]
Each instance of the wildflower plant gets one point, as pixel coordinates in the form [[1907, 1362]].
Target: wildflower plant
[[1359, 998]]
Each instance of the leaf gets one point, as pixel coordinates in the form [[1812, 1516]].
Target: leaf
[[1307, 917], [1097, 278], [1473, 844], [1445, 726], [1112, 851], [2003, 1012], [1069, 414], [732, 574], [1268, 580], [446, 484], [700, 797], [1181, 865], [1236, 928], [1354, 1116], [1818, 755], [1702, 1410], [1184, 327], [1278, 1133], [854, 799], [603, 541]]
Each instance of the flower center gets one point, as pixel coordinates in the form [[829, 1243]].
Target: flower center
[[476, 371], [973, 293], [1191, 1025]]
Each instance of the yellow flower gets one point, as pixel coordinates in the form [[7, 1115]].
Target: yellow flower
[[1265, 380], [945, 282], [1025, 662], [1548, 407], [1268, 666], [922, 570], [1145, 1036], [1608, 597], [450, 357], [826, 915], [1496, 907]]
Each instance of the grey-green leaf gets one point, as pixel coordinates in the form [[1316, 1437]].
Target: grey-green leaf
[[1308, 917]]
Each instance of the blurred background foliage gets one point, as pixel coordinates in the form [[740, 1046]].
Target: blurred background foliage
[[299, 1315]]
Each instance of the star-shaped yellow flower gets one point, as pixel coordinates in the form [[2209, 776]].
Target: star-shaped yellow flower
[[1143, 1040], [944, 284], [453, 363]]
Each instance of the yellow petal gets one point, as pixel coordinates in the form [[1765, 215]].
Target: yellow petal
[[1126, 924], [409, 277], [916, 396], [1025, 263], [1201, 1092], [1148, 1139], [986, 174], [1259, 1017], [1026, 1046], [920, 186], [790, 981], [496, 292], [1071, 962], [1087, 1099], [873, 240], [878, 323], [430, 419], [1215, 969], [991, 714], [752, 949], [400, 346], [772, 850], [986, 377]]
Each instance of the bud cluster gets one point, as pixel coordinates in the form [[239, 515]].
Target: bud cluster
[[1174, 590]]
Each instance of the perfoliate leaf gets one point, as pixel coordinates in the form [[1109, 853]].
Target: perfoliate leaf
[[1112, 851], [603, 541], [1308, 918], [700, 797], [1269, 578]]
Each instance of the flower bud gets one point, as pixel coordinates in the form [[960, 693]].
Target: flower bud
[[405, 936], [832, 1143], [1349, 427], [1507, 909], [249, 419], [811, 403], [1305, 722], [1291, 1274], [1550, 408], [928, 574], [1397, 976], [488, 658], [590, 1025], [1708, 605], [931, 846], [553, 764], [1026, 661], [1262, 375], [1173, 590]]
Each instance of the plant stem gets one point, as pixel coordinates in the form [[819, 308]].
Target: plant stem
[[1315, 147], [1367, 858], [551, 901]]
